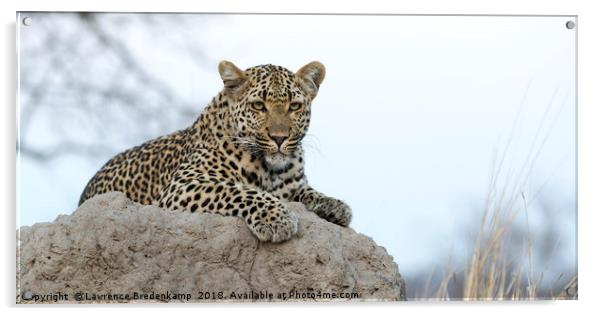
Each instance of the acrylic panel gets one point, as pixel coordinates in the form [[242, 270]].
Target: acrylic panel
[[441, 157]]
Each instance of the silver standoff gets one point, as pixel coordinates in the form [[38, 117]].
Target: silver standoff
[[27, 21], [570, 25]]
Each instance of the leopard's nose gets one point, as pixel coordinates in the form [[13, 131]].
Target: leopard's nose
[[279, 139]]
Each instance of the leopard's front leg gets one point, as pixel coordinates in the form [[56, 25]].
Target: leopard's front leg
[[331, 209], [268, 218]]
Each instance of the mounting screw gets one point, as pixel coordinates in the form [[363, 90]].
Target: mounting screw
[[27, 21], [27, 296], [570, 25]]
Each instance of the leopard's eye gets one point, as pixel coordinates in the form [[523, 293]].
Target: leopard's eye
[[258, 106], [295, 106]]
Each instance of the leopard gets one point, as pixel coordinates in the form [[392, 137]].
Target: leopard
[[243, 156]]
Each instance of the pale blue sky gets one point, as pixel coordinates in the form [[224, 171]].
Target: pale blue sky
[[405, 127]]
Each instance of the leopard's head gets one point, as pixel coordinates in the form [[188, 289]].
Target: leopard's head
[[270, 107]]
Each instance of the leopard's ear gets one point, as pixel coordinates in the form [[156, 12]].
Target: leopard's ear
[[312, 75], [232, 76]]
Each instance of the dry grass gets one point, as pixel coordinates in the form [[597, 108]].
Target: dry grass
[[493, 274], [495, 269]]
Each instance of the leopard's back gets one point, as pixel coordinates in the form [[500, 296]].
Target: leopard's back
[[142, 171]]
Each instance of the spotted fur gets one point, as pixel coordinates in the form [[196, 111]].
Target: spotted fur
[[242, 157]]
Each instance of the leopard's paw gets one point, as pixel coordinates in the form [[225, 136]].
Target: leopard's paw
[[274, 225], [334, 211]]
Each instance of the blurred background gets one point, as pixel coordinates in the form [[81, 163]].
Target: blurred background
[[431, 127]]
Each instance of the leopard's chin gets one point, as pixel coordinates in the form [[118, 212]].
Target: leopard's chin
[[277, 161]]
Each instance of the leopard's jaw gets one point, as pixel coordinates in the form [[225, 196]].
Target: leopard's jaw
[[277, 161]]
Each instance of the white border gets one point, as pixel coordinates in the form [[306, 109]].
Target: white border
[[589, 160]]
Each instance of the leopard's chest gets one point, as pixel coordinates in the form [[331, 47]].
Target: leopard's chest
[[271, 183], [253, 171], [263, 179]]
